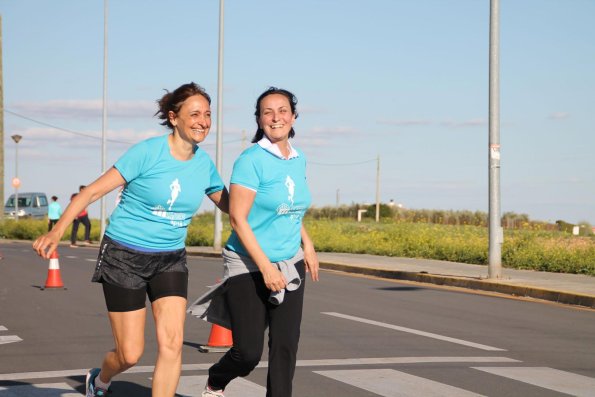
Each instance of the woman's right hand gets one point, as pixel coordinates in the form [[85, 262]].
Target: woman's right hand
[[273, 278], [46, 244]]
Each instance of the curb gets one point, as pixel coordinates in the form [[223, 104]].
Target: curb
[[564, 297]]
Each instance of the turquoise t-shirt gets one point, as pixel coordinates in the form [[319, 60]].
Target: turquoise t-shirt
[[54, 210], [282, 198], [161, 195]]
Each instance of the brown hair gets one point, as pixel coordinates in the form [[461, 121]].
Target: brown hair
[[172, 101]]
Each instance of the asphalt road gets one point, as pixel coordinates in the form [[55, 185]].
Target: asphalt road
[[360, 337]]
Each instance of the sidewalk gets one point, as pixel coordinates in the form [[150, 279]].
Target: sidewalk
[[570, 289]]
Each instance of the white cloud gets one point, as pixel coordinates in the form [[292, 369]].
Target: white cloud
[[448, 123], [312, 110], [559, 116], [84, 109], [44, 135], [405, 122], [468, 123], [334, 130]]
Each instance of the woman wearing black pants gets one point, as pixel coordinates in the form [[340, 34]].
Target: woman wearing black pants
[[268, 252], [83, 218]]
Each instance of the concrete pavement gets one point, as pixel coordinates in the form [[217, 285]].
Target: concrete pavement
[[574, 289]]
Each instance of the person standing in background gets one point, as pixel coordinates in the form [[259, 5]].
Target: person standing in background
[[83, 218], [54, 212]]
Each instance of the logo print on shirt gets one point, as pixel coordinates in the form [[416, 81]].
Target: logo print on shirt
[[294, 213], [175, 191], [290, 185]]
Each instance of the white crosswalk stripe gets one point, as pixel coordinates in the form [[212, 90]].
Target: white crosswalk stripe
[[192, 386], [392, 383], [548, 378], [9, 339], [4, 339], [40, 390], [383, 382]]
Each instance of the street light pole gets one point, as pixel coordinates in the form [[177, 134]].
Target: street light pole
[[378, 188], [102, 214], [496, 235], [16, 138], [219, 155]]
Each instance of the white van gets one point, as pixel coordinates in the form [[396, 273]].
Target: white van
[[31, 205]]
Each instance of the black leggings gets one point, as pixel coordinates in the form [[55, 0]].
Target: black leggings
[[51, 223], [75, 227], [119, 299], [251, 313]]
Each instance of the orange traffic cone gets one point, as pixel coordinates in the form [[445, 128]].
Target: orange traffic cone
[[54, 279], [220, 340]]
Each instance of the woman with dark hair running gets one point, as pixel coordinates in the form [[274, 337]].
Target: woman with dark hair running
[[267, 254], [143, 250]]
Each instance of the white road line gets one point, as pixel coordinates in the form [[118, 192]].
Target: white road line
[[391, 383], [264, 364], [384, 382], [415, 331], [4, 339], [3, 328], [400, 360], [192, 386], [40, 390], [548, 378]]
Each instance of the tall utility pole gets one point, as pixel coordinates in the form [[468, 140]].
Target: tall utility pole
[[378, 188], [1, 129], [219, 162], [104, 117], [496, 234], [16, 182]]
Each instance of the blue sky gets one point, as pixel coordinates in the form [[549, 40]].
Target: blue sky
[[405, 80]]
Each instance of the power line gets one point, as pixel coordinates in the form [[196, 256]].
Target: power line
[[87, 135], [60, 128]]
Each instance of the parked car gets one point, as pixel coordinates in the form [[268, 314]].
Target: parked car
[[31, 205]]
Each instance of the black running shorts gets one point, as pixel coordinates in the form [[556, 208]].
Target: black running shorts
[[128, 275]]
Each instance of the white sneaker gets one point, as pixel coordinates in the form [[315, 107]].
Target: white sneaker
[[208, 392]]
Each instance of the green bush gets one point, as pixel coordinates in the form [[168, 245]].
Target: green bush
[[523, 248], [201, 230], [30, 229]]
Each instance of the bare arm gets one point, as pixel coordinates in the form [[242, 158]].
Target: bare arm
[[310, 257], [107, 182], [240, 203], [221, 200]]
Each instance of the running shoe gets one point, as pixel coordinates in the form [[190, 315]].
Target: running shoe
[[208, 392], [91, 390]]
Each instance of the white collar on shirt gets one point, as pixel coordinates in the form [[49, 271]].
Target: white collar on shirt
[[274, 149]]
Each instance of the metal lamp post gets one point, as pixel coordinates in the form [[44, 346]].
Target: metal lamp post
[[16, 138]]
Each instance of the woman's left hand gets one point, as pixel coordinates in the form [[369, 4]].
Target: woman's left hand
[[311, 261]]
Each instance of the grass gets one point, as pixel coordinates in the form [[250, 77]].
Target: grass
[[551, 251]]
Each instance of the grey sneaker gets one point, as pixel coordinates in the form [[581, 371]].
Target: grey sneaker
[[91, 390], [208, 392]]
